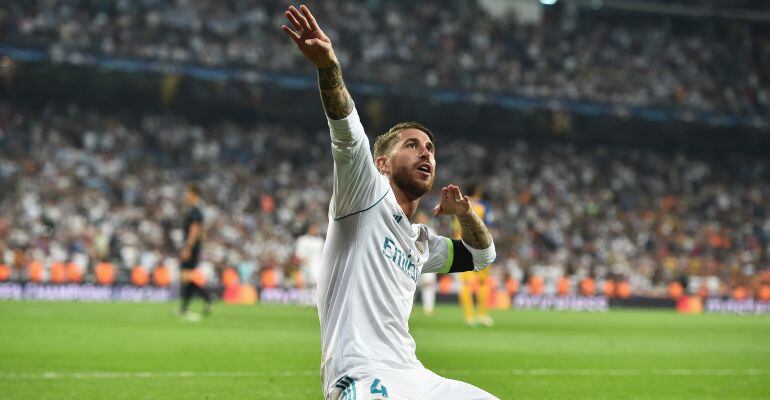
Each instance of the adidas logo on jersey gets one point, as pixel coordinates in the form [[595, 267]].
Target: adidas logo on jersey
[[398, 218]]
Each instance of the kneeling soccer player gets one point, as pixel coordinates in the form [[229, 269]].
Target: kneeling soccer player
[[374, 254]]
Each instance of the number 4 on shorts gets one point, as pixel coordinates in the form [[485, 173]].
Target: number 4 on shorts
[[381, 390]]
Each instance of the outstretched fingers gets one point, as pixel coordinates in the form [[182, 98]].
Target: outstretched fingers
[[306, 12], [294, 21], [293, 35], [301, 18]]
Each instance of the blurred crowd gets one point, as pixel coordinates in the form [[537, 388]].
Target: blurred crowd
[[84, 186], [722, 67]]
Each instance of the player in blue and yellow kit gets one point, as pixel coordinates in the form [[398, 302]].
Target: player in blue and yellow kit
[[478, 280]]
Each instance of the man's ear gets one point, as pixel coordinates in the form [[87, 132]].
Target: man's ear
[[382, 164]]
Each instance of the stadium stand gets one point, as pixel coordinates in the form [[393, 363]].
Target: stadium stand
[[81, 185], [590, 58]]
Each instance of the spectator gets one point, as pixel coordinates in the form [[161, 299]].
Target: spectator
[[87, 187], [619, 60]]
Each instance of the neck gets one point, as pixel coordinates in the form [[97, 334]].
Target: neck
[[408, 203]]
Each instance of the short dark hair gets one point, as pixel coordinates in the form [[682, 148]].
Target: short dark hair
[[385, 142]]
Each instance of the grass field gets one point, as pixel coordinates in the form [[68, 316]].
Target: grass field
[[144, 351]]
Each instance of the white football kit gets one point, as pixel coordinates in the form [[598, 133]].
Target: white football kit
[[309, 249], [371, 262]]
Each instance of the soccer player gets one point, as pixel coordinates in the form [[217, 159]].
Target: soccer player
[[308, 250], [478, 280], [428, 281], [190, 254], [374, 255]]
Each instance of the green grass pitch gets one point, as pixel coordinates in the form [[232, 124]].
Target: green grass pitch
[[143, 351]]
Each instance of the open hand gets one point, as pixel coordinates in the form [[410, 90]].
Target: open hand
[[452, 202], [309, 38]]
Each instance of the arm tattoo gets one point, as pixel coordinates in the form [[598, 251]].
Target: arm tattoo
[[335, 97], [474, 232]]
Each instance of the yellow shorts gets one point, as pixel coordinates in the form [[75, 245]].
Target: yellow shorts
[[474, 277]]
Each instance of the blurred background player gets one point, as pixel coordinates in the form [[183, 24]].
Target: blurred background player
[[190, 255], [428, 281], [308, 252], [475, 281]]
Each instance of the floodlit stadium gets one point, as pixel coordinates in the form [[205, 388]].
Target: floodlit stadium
[[385, 199]]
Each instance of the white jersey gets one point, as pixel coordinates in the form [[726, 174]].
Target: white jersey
[[309, 249], [372, 260]]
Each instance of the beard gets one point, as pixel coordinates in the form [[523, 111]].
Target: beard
[[415, 188]]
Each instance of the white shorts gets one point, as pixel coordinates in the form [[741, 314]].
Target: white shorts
[[409, 384], [428, 279]]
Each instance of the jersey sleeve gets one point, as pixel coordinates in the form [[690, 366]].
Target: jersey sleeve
[[357, 183], [447, 255], [441, 254]]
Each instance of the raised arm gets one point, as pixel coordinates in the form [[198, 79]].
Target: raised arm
[[317, 48], [357, 183]]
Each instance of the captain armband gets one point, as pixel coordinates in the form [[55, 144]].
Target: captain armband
[[464, 258]]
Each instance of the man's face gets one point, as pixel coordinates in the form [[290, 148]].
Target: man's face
[[412, 163]]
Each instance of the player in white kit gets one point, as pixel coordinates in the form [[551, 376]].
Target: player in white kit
[[374, 255], [308, 250]]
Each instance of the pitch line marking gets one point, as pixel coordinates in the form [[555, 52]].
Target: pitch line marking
[[275, 374], [611, 372]]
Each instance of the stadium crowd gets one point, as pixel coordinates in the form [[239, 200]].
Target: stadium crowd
[[426, 44], [84, 186]]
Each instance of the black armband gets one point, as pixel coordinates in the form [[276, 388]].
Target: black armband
[[463, 259]]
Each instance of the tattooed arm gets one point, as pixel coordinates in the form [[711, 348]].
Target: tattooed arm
[[357, 183], [472, 229], [477, 250], [317, 47], [334, 95], [474, 233]]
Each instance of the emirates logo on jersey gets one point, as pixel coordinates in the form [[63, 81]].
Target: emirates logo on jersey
[[400, 259]]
